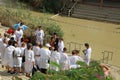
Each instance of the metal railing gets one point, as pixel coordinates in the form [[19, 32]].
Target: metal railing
[[107, 56], [67, 2], [72, 8]]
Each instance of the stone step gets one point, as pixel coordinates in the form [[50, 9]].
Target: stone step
[[98, 9], [96, 18], [96, 14]]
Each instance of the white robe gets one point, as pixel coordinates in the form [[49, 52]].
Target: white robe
[[19, 35], [87, 55], [3, 47], [17, 57], [73, 60], [36, 54], [9, 56], [39, 36], [60, 46], [44, 57], [64, 61], [29, 59], [55, 57]]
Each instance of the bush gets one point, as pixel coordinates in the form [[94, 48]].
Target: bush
[[82, 73]]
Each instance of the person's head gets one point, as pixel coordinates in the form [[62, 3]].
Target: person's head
[[77, 52], [5, 35], [39, 27], [73, 52], [16, 44], [12, 38], [86, 45], [10, 42], [64, 49], [23, 44], [37, 44], [56, 48], [29, 46], [21, 23], [55, 35], [60, 39]]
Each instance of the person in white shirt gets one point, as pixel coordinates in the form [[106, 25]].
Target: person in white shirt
[[60, 45], [3, 47], [74, 58], [64, 60], [22, 48], [9, 56], [17, 58], [39, 33], [55, 57], [19, 35], [29, 59], [36, 48], [44, 58], [87, 53]]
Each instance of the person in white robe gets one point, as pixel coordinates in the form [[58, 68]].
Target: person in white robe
[[36, 54], [19, 35], [55, 57], [39, 33], [60, 45], [87, 53], [3, 47], [17, 58], [74, 58], [29, 59], [22, 48], [9, 56], [44, 58], [64, 60]]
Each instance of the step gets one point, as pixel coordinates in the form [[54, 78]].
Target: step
[[97, 14], [95, 8], [95, 18]]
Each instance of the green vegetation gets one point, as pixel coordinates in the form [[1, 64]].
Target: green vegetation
[[93, 72], [52, 6], [10, 16]]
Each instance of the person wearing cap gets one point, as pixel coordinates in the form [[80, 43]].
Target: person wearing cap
[[39, 33], [44, 58], [29, 59], [87, 53]]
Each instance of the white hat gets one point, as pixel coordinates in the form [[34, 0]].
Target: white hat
[[47, 45]]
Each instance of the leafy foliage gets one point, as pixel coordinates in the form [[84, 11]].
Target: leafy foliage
[[82, 73]]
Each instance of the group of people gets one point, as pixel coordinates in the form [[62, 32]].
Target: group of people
[[18, 55]]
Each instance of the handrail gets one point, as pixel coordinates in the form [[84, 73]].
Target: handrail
[[64, 6], [70, 11]]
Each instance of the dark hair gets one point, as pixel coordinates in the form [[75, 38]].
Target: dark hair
[[21, 23], [12, 38], [86, 44], [64, 49], [73, 52]]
